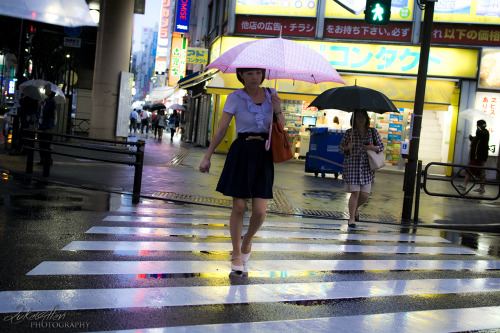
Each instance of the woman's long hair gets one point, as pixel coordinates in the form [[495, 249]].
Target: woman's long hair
[[357, 114]]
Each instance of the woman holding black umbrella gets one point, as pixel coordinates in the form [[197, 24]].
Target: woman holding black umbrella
[[357, 174]]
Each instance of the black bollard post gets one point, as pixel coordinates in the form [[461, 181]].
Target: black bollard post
[[30, 143], [417, 191], [139, 161]]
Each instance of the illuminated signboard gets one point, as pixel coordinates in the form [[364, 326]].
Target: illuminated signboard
[[197, 56], [467, 11], [12, 86], [182, 17], [380, 58], [177, 60], [283, 8], [486, 103], [478, 34], [274, 25], [401, 10], [490, 69], [164, 36]]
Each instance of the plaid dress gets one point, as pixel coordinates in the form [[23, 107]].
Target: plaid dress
[[356, 166]]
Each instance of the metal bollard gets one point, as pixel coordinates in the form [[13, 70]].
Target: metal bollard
[[139, 161], [417, 192], [31, 152]]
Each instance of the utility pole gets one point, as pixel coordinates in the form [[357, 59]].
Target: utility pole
[[411, 166]]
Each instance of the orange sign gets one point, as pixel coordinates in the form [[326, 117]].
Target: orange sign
[[178, 55]]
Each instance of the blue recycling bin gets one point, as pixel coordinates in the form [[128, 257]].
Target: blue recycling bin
[[323, 156]]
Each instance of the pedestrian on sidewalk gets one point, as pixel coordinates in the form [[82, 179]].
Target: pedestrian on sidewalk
[[171, 125], [47, 124], [248, 172], [160, 124], [154, 123], [27, 116], [145, 121], [357, 174], [477, 156], [134, 119]]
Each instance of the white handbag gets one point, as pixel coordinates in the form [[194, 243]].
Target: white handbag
[[376, 159]]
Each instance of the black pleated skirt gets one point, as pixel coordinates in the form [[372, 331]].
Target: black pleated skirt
[[248, 171]]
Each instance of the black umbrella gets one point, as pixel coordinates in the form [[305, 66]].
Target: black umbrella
[[146, 107], [353, 98], [157, 106]]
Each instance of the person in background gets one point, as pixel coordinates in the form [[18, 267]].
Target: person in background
[[171, 125], [47, 124], [336, 123], [248, 172], [477, 156], [27, 117], [357, 174], [177, 121], [145, 121], [134, 119], [154, 123], [160, 124]]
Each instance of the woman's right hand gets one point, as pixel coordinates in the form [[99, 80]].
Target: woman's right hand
[[350, 145], [205, 166]]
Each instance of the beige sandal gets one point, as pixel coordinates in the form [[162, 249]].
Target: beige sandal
[[236, 268]]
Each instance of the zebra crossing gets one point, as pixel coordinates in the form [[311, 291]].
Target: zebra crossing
[[306, 274]]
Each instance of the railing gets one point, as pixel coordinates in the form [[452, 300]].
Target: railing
[[32, 136], [80, 125], [455, 191]]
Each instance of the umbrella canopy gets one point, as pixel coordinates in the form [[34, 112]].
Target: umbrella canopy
[[30, 88], [68, 13], [475, 114], [282, 59], [177, 107], [33, 92], [158, 106], [353, 98], [146, 107]]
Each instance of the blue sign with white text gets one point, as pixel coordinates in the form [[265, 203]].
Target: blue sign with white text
[[182, 16]]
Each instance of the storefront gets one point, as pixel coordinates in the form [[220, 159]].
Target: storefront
[[396, 67]]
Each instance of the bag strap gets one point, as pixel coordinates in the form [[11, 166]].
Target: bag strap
[[373, 137], [268, 141]]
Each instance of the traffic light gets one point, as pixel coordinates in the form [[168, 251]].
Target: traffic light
[[378, 12]]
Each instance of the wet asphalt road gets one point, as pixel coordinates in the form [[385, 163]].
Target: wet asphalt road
[[37, 221]]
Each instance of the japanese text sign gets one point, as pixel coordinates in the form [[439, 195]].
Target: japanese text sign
[[380, 58], [182, 16], [177, 60], [273, 25], [197, 56], [488, 103]]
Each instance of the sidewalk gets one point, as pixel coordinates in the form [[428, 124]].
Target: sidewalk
[[171, 172]]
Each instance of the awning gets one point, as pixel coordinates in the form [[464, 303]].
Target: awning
[[160, 93], [195, 78]]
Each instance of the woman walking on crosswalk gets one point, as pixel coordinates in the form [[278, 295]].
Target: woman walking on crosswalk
[[248, 171]]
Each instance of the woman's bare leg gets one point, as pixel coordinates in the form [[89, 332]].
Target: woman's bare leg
[[259, 207], [353, 206], [235, 226], [363, 197]]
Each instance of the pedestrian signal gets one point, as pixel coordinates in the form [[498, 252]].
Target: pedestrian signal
[[378, 12]]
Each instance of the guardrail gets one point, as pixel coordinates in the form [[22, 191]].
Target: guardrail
[[423, 178], [31, 137]]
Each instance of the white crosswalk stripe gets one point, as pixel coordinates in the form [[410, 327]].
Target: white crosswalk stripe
[[355, 265]]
